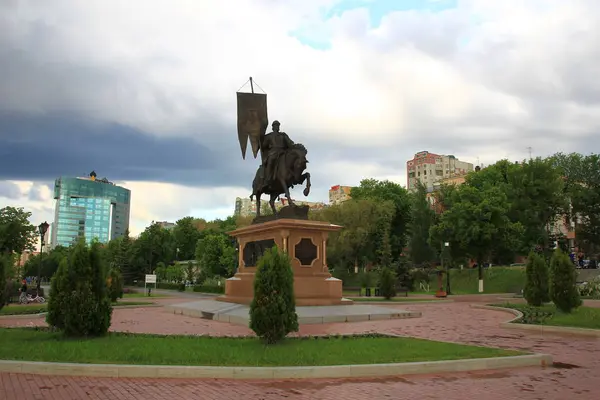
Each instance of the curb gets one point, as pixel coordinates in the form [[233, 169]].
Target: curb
[[334, 371], [400, 302], [541, 329], [39, 315]]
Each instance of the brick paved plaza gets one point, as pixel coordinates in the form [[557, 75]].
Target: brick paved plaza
[[575, 375]]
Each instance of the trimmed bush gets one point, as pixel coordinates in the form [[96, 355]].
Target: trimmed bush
[[79, 302], [563, 282], [536, 290], [115, 285], [273, 309], [387, 283], [209, 289]]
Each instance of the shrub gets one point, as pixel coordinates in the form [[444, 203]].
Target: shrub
[[563, 282], [209, 289], [181, 287], [387, 283], [533, 315], [590, 289], [273, 309], [79, 302], [115, 285], [536, 280], [367, 279]]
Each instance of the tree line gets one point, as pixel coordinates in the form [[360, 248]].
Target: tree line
[[500, 212]]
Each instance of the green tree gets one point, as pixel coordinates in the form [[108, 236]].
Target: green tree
[[115, 287], [16, 232], [362, 241], [273, 309], [582, 187], [216, 255], [190, 272], [423, 218], [477, 222], [175, 273], [536, 290], [185, 237], [154, 245], [393, 192], [50, 262], [387, 283], [535, 195], [563, 282], [79, 302], [4, 266]]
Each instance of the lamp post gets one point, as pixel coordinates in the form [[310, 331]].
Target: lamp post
[[42, 229], [446, 244]]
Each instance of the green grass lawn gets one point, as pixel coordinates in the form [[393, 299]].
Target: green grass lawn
[[43, 345], [394, 299], [18, 309], [582, 317]]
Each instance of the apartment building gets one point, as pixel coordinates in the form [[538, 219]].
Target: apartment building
[[430, 169]]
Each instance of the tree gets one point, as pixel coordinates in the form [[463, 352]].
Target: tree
[[582, 187], [393, 192], [477, 222], [115, 285], [563, 282], [273, 309], [4, 264], [216, 255], [79, 302], [16, 232], [363, 239], [154, 245], [536, 290], [190, 272], [423, 217], [50, 262], [534, 191], [387, 283], [185, 237]]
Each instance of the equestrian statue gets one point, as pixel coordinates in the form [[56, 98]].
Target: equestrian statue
[[283, 161]]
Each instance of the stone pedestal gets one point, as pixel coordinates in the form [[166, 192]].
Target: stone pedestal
[[305, 242]]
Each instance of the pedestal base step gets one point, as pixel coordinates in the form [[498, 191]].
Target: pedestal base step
[[239, 313]]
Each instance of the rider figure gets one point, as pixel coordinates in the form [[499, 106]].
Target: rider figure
[[274, 145]]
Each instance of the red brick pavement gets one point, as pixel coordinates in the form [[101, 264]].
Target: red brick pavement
[[575, 376]]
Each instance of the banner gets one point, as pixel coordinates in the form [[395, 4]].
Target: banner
[[252, 120]]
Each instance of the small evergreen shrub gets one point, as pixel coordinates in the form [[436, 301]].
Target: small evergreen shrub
[[387, 283], [80, 303], [181, 287], [273, 309], [563, 282], [536, 290], [115, 285]]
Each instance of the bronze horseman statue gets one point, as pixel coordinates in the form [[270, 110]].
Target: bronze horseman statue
[[283, 161]]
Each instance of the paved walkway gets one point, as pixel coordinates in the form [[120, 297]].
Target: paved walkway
[[575, 375]]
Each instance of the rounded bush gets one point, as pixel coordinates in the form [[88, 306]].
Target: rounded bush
[[536, 290], [563, 282]]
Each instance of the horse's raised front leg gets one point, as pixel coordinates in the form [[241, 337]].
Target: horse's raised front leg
[[306, 176], [272, 203]]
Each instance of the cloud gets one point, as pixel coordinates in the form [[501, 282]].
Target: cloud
[[10, 190], [144, 92]]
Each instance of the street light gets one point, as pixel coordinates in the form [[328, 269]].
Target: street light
[[446, 244], [42, 228]]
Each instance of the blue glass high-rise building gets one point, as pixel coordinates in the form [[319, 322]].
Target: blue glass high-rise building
[[90, 208]]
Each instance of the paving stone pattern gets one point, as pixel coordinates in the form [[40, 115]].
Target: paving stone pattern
[[575, 375]]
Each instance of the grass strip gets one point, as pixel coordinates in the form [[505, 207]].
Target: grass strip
[[40, 344]]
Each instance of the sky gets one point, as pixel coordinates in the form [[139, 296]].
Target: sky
[[143, 91]]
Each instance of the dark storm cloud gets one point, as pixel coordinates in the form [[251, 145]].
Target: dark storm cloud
[[10, 190], [43, 147]]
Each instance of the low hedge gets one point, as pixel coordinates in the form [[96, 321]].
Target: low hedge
[[209, 289]]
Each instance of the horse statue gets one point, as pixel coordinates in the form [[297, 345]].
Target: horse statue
[[287, 171]]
